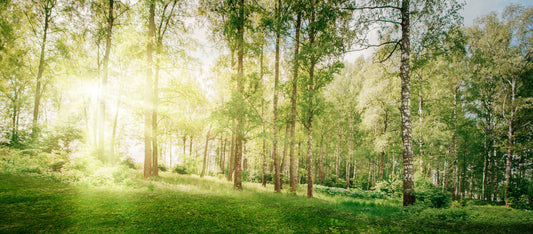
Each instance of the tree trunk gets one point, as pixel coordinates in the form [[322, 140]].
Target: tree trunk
[[321, 161], [223, 155], [338, 154], [184, 145], [277, 182], [231, 165], [190, 146], [103, 92], [294, 94], [148, 95], [510, 140], [204, 164], [310, 114], [405, 109], [237, 183], [114, 135], [454, 142], [420, 120], [47, 8], [347, 172]]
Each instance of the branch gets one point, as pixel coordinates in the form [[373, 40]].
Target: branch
[[372, 8], [390, 54], [372, 46]]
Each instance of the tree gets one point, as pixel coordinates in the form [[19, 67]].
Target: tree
[[327, 35], [433, 17], [45, 9], [148, 95]]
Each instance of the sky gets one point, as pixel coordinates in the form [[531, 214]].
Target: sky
[[472, 10], [477, 8]]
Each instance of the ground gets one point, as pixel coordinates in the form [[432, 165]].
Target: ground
[[184, 203]]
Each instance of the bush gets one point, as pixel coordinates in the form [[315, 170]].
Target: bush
[[392, 187], [428, 195], [180, 170], [162, 168], [128, 162], [351, 192]]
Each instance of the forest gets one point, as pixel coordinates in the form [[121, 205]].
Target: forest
[[265, 116]]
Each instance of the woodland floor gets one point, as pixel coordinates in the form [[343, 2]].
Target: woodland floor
[[181, 203]]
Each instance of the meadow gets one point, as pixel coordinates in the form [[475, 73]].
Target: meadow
[[33, 202]]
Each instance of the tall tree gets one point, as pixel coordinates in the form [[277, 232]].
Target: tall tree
[[148, 93], [45, 8]]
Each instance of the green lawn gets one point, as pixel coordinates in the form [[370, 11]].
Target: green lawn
[[180, 203]]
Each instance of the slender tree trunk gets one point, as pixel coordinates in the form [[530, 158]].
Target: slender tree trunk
[[310, 114], [294, 94], [339, 150], [47, 8], [231, 165], [405, 109], [190, 146], [204, 164], [354, 174], [237, 183], [102, 98], [421, 120], [277, 182], [223, 156], [148, 94], [321, 161], [155, 100], [347, 171], [263, 129], [184, 145], [114, 135], [454, 142], [510, 140]]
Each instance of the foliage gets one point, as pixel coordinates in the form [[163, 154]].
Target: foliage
[[351, 192], [391, 187], [180, 170], [429, 195]]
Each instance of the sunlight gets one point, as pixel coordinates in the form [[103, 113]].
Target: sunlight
[[90, 89]]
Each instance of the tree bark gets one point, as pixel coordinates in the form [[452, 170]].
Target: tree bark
[[321, 161], [277, 182], [148, 167], [510, 140], [204, 164], [231, 165], [420, 121], [454, 142], [237, 180], [294, 95], [405, 109]]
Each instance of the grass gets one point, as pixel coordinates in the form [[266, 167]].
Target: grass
[[181, 203]]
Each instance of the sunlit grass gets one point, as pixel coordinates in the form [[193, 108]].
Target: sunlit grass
[[188, 203]]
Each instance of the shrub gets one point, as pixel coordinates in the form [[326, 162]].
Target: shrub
[[162, 168], [128, 162], [180, 170], [392, 187]]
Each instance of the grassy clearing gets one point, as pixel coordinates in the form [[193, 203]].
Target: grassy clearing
[[180, 203]]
